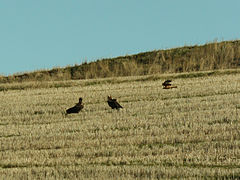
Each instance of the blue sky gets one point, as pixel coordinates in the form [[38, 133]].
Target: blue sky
[[55, 33]]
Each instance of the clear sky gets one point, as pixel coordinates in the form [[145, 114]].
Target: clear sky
[[42, 34]]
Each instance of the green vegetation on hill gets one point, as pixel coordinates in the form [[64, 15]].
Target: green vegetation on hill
[[211, 56]]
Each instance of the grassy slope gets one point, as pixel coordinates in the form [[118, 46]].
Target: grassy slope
[[191, 131], [212, 56]]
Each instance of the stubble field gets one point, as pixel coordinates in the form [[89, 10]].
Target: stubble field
[[191, 131]]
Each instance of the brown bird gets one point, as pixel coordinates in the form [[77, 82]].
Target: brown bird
[[113, 103], [75, 109], [167, 85]]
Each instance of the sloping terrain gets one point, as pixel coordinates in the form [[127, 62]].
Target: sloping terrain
[[211, 56]]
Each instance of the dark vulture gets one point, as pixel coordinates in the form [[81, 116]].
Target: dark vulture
[[75, 109], [113, 103], [167, 85]]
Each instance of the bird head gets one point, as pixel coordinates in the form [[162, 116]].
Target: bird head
[[80, 100]]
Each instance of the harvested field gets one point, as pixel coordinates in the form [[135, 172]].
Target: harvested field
[[188, 132]]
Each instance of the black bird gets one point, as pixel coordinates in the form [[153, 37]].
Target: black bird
[[75, 109], [113, 103], [167, 84]]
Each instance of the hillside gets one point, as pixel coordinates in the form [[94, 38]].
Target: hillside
[[211, 56]]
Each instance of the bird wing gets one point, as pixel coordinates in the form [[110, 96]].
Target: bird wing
[[111, 104], [117, 105], [70, 110], [167, 83], [74, 109]]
